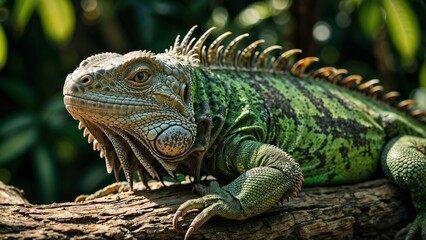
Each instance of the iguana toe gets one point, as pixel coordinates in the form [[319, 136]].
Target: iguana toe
[[215, 202], [411, 229]]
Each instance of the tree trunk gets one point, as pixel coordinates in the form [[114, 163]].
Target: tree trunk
[[371, 209]]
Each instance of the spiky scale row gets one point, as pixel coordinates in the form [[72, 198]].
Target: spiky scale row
[[218, 56], [282, 60], [298, 69], [245, 55], [228, 54], [350, 80]]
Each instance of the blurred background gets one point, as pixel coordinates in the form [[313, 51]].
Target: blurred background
[[41, 41]]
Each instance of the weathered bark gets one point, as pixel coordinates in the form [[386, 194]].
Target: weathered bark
[[371, 209], [11, 195]]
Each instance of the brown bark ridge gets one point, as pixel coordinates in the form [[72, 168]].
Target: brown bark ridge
[[374, 209], [11, 195]]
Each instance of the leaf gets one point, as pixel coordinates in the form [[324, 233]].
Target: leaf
[[369, 17], [58, 19], [22, 11], [45, 173], [403, 27], [422, 76], [3, 48], [19, 91], [16, 144], [54, 114], [15, 122]]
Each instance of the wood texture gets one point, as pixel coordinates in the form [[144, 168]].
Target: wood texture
[[374, 209]]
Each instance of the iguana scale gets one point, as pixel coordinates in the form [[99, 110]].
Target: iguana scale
[[258, 124]]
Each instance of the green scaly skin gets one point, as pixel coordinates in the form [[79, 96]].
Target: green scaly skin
[[260, 131]]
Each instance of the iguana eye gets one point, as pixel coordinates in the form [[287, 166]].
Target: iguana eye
[[141, 76]]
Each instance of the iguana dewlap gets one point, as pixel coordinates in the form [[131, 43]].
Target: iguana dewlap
[[255, 123]]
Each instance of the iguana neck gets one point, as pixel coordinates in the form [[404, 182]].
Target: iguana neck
[[209, 113]]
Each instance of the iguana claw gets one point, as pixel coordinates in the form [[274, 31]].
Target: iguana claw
[[189, 232], [411, 229], [215, 202]]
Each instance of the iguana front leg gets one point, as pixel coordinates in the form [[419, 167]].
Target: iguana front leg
[[404, 161], [266, 175]]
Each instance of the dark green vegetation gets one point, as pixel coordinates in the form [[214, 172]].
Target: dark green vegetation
[[41, 149]]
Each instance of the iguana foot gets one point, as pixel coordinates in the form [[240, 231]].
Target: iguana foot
[[215, 201], [255, 190], [404, 161], [110, 189], [411, 229]]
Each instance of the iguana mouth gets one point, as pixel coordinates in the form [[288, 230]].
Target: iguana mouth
[[106, 103]]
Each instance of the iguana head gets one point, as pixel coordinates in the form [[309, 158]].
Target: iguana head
[[136, 108]]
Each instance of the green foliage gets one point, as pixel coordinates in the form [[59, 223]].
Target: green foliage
[[399, 18], [41, 149], [17, 142], [3, 47], [56, 16], [370, 17], [403, 27], [21, 13], [58, 19], [423, 75]]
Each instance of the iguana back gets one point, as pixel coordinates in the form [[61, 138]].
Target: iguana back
[[335, 134]]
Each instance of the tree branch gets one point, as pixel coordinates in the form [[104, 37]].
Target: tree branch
[[371, 209]]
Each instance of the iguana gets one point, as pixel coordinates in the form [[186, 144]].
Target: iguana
[[258, 124]]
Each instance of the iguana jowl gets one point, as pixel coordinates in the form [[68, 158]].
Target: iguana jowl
[[250, 120]]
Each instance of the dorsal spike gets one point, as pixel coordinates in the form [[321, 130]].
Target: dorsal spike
[[189, 49], [323, 72], [404, 105], [282, 60], [185, 40], [228, 54], [374, 91], [219, 55], [176, 44], [418, 113], [237, 59], [199, 45], [364, 86], [390, 96], [246, 54], [254, 59], [264, 55], [336, 75], [212, 51], [349, 80], [203, 55], [299, 67], [80, 125]]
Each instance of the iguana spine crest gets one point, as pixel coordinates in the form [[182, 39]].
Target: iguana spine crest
[[217, 56]]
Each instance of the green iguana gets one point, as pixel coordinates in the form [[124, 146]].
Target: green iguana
[[256, 123]]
